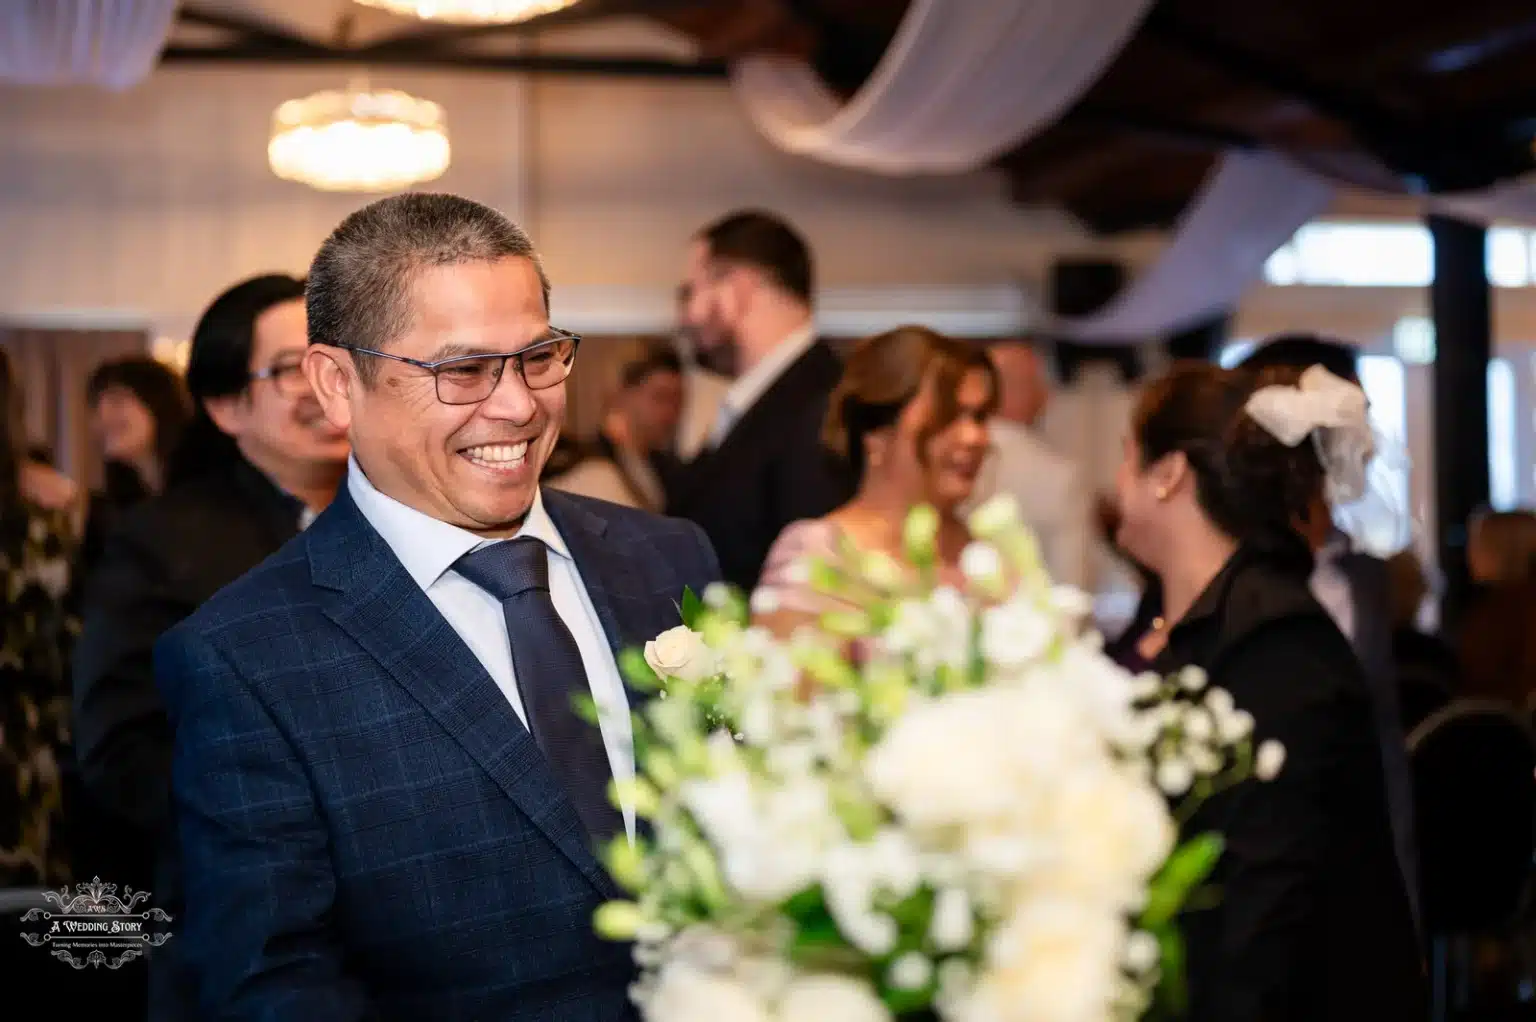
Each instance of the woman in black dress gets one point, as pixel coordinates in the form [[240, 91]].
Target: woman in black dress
[[1312, 922]]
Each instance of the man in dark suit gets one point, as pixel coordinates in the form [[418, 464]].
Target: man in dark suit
[[256, 463], [387, 803], [749, 285]]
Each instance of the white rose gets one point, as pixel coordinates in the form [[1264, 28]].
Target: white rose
[[1142, 953], [680, 653], [1111, 833], [1270, 758], [952, 925], [825, 998], [1071, 602], [1175, 775], [1052, 961], [1235, 726], [980, 562], [1015, 633], [997, 515], [685, 993]]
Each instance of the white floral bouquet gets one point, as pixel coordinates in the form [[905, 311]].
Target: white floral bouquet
[[936, 802]]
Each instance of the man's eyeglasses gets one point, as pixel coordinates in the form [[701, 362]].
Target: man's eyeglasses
[[287, 379], [470, 379]]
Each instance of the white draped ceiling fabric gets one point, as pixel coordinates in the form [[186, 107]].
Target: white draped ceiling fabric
[[112, 44], [961, 83], [1250, 205], [964, 82]]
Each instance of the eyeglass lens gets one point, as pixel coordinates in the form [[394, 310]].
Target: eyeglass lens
[[469, 380], [288, 379]]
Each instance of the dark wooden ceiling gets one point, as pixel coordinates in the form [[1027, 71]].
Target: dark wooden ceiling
[[1397, 95]]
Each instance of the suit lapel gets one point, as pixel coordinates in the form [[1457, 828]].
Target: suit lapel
[[381, 607], [630, 611], [805, 377]]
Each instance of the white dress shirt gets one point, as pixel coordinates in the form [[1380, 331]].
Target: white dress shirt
[[428, 548], [703, 393], [1053, 499], [754, 383]]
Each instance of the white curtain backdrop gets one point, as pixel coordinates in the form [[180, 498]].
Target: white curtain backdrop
[[1249, 206], [113, 44], [962, 82]]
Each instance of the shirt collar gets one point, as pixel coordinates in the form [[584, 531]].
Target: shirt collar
[[426, 546], [752, 384]]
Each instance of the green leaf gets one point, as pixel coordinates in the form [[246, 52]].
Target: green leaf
[[1185, 869], [626, 864], [902, 1002], [806, 904], [692, 608], [618, 920], [586, 707], [1172, 987], [817, 943], [637, 672]]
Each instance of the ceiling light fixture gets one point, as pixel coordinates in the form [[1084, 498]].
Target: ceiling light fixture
[[359, 140], [471, 12]]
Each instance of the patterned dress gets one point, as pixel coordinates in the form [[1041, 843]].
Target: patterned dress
[[35, 634]]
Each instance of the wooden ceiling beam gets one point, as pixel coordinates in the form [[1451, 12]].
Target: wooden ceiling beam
[[248, 30]]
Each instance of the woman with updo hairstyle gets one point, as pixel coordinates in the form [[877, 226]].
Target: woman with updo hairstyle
[[1311, 919], [910, 416]]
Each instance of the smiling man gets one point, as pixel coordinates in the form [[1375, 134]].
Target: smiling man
[[387, 804]]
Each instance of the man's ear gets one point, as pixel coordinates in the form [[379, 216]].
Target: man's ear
[[227, 412], [333, 378]]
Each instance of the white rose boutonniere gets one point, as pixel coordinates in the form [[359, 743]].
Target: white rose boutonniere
[[681, 653]]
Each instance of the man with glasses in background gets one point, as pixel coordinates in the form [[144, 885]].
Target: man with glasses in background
[[255, 465], [388, 803]]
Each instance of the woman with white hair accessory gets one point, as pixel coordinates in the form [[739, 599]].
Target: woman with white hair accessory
[[1314, 920]]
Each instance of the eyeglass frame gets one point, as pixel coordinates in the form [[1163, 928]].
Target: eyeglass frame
[[275, 373], [436, 366]]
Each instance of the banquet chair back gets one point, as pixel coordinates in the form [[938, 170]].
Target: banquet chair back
[[1474, 776]]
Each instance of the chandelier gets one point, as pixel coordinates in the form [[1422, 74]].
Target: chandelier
[[359, 140], [471, 12]]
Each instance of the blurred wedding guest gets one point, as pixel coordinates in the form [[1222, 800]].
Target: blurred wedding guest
[[706, 378], [1053, 497], [36, 545], [1355, 588], [750, 286], [1314, 921], [1351, 585], [1497, 637], [640, 424], [577, 466], [630, 462], [1425, 663], [139, 408], [257, 462], [910, 415]]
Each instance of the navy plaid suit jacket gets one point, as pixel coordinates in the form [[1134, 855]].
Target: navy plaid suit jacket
[[366, 829]]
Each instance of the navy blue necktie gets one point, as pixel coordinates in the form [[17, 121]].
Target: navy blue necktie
[[550, 675]]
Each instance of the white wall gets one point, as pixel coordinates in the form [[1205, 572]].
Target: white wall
[[141, 206]]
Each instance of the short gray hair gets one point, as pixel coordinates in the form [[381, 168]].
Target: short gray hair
[[358, 295]]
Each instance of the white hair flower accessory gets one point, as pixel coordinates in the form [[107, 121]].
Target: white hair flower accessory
[[1335, 413]]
